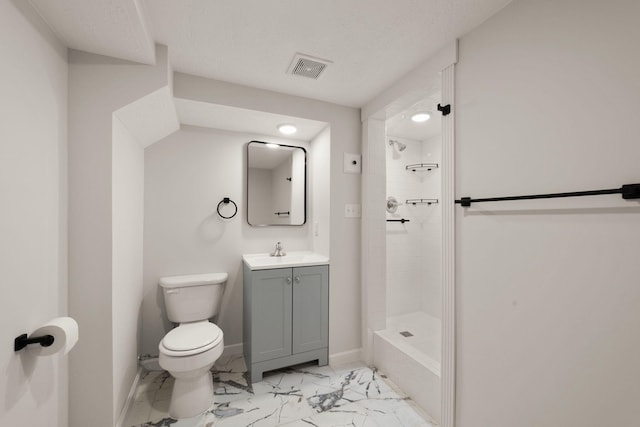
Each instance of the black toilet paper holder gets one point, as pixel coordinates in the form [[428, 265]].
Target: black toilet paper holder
[[23, 340]]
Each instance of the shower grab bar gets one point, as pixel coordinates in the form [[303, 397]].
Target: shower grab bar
[[402, 220], [628, 191]]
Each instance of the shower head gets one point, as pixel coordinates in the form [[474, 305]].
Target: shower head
[[399, 144]]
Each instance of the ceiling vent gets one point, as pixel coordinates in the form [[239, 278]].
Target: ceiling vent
[[307, 66]]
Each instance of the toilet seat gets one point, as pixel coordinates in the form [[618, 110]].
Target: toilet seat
[[191, 338]]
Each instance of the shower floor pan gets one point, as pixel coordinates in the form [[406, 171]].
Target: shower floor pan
[[409, 352]]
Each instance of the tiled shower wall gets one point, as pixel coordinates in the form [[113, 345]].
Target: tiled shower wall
[[414, 249]]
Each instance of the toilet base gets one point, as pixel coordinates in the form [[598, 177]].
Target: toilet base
[[191, 396]]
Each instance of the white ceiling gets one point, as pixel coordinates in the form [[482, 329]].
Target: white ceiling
[[235, 119], [372, 43], [401, 125], [107, 27]]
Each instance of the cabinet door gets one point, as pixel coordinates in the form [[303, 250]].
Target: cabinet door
[[310, 308], [271, 314]]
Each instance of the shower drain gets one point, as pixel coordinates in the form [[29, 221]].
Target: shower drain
[[406, 334]]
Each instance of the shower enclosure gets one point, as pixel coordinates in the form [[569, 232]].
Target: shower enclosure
[[409, 348], [408, 235]]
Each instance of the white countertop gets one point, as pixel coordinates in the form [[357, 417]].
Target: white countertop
[[291, 259]]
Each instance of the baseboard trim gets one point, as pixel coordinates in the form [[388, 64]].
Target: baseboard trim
[[232, 350], [128, 403], [345, 357]]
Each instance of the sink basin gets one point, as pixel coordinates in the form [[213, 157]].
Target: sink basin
[[292, 259]]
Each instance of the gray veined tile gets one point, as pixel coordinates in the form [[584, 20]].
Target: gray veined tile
[[139, 412], [232, 363], [235, 379], [304, 395], [339, 418], [159, 410], [164, 392], [262, 411], [310, 381], [335, 394], [297, 377], [347, 387], [225, 410], [369, 415], [231, 386]]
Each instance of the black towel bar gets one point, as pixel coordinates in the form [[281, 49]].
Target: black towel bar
[[628, 191]]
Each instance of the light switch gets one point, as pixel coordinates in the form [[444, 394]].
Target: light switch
[[352, 163]]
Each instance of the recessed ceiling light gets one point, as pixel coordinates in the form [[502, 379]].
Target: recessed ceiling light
[[287, 129], [420, 117]]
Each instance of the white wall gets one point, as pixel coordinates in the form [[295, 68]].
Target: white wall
[[127, 211], [99, 86], [374, 242], [405, 243], [414, 249], [548, 297], [432, 229], [344, 233], [33, 217], [186, 175]]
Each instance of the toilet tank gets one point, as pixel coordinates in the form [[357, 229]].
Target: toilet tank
[[193, 297]]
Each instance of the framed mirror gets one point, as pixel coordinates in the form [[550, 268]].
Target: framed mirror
[[276, 184]]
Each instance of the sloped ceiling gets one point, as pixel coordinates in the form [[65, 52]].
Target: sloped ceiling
[[114, 28]]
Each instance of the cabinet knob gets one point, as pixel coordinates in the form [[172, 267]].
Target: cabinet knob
[[297, 279], [288, 280]]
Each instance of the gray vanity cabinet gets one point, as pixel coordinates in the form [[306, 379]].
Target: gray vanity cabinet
[[286, 317]]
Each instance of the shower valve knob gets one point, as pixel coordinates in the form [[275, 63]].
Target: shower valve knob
[[392, 204]]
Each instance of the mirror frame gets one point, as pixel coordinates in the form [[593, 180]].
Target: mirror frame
[[304, 204]]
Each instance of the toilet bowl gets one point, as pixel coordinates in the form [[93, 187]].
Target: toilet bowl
[[189, 351]]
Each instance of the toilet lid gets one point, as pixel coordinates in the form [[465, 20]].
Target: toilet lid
[[191, 336]]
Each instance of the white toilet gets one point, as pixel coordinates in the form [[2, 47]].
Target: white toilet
[[189, 351]]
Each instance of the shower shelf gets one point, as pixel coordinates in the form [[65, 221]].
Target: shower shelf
[[420, 167], [421, 201]]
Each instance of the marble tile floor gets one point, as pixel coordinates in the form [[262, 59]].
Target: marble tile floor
[[304, 395]]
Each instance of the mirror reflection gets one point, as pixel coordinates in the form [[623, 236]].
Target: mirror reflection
[[276, 184]]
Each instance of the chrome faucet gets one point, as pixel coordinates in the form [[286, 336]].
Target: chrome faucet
[[278, 251]]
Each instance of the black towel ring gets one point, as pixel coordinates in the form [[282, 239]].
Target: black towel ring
[[226, 201]]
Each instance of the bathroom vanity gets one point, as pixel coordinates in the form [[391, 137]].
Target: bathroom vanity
[[286, 311]]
